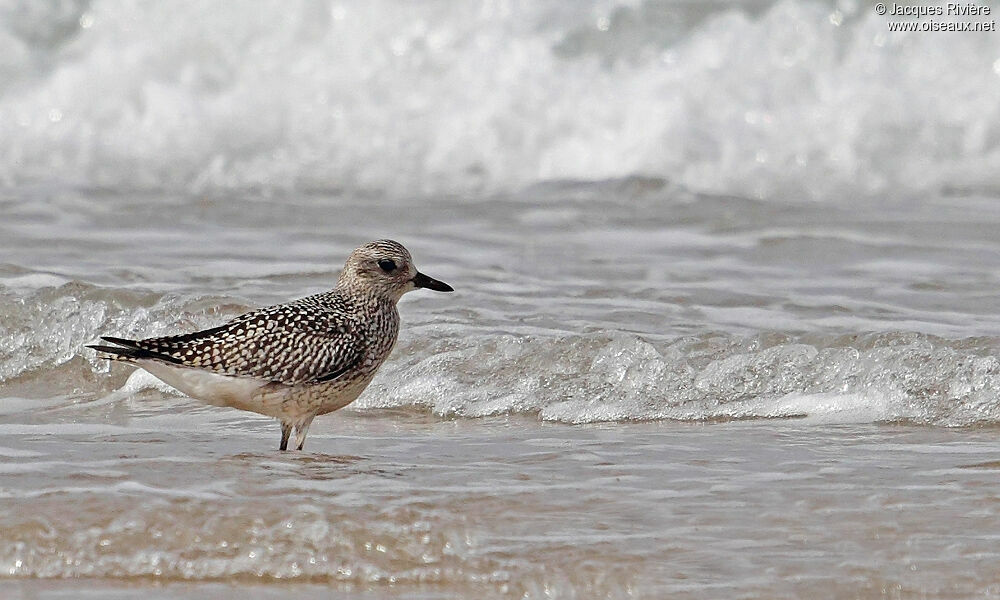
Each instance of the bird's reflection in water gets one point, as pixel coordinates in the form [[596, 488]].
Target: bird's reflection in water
[[311, 466]]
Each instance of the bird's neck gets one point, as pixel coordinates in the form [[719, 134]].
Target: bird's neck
[[368, 297]]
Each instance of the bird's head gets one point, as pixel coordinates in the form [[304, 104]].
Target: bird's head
[[385, 269]]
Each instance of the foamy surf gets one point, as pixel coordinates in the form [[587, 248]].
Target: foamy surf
[[757, 98], [891, 377], [583, 378]]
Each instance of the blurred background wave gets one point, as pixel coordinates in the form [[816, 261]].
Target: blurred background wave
[[758, 98]]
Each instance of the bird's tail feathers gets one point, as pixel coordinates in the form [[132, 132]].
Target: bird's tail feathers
[[121, 341], [115, 352], [128, 351]]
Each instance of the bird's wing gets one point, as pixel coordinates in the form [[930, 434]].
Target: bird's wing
[[289, 343]]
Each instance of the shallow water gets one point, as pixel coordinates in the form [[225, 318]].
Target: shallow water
[[400, 501], [735, 344]]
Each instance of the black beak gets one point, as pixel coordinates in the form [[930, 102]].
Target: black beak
[[423, 281]]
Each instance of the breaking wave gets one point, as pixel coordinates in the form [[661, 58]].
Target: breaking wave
[[757, 98], [879, 377], [569, 377]]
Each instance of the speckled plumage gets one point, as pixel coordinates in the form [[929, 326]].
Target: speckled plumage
[[297, 360]]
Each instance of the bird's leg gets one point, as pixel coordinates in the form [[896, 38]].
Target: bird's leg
[[300, 433], [286, 430]]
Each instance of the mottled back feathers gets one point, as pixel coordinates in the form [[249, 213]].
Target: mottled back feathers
[[310, 340]]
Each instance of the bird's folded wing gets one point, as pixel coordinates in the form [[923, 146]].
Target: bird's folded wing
[[281, 343]]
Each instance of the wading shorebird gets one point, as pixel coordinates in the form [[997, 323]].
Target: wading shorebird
[[291, 361]]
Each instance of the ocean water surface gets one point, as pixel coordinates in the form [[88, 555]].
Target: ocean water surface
[[725, 323]]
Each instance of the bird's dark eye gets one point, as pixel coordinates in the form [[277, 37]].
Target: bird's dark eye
[[387, 265]]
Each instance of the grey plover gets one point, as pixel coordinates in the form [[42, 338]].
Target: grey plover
[[291, 361]]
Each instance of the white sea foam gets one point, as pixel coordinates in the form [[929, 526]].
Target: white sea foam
[[580, 379], [811, 98], [32, 281], [570, 377]]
